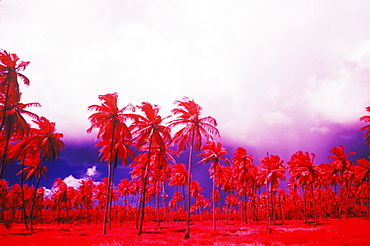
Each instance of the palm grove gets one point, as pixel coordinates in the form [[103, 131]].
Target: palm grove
[[241, 189]]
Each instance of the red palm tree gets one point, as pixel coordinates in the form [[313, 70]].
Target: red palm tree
[[227, 182], [48, 143], [85, 196], [60, 197], [179, 177], [366, 118], [163, 160], [115, 138], [303, 170], [150, 131], [213, 152], [14, 124], [10, 68], [342, 165], [194, 127], [245, 174], [362, 174], [272, 171], [4, 189]]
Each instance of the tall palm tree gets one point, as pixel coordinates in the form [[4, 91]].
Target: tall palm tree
[[228, 185], [363, 173], [342, 165], [10, 68], [244, 172], [85, 196], [366, 118], [213, 152], [273, 172], [163, 159], [192, 128], [47, 144], [14, 124], [115, 138], [149, 130], [303, 170]]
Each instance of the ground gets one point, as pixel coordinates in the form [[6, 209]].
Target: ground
[[354, 231]]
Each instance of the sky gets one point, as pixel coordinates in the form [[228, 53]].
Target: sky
[[278, 76]]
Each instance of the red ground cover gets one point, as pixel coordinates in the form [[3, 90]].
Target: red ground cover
[[354, 231]]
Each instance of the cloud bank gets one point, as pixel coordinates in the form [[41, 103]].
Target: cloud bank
[[267, 71]]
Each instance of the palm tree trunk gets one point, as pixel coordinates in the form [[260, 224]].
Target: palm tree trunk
[[164, 204], [269, 230], [304, 205], [368, 196], [4, 111], [314, 203], [227, 211], [145, 178], [187, 232], [3, 161], [281, 209], [107, 200], [23, 199], [213, 204], [110, 170], [157, 206], [34, 201]]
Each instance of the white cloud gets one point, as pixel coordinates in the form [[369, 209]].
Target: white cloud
[[320, 129], [48, 192], [72, 181], [92, 172], [276, 118], [340, 98]]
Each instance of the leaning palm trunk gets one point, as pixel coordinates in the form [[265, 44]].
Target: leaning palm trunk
[[145, 180], [157, 206], [5, 152], [110, 171], [34, 199], [107, 202], [187, 232], [23, 199], [214, 205]]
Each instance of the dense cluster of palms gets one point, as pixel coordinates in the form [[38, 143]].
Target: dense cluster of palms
[[243, 188], [29, 146]]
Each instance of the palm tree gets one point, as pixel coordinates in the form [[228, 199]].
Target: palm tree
[[47, 145], [303, 170], [194, 127], [163, 161], [227, 182], [366, 118], [33, 172], [10, 67], [363, 173], [60, 197], [149, 130], [213, 152], [272, 171], [115, 138], [85, 196], [4, 189], [244, 172], [14, 124], [341, 164]]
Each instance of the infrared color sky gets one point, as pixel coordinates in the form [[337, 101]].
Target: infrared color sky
[[277, 75]]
